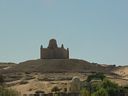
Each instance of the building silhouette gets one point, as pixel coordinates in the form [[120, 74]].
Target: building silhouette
[[53, 51]]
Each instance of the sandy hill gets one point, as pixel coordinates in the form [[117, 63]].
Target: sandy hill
[[6, 65], [43, 74], [56, 65], [122, 71], [52, 69]]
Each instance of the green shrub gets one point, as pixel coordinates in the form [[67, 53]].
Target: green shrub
[[100, 92], [96, 76], [84, 92], [8, 92]]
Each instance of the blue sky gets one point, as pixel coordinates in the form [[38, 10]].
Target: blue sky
[[93, 30]]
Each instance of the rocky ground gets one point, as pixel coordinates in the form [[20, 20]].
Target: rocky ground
[[32, 75]]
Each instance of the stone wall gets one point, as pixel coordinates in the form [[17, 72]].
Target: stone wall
[[53, 51], [57, 53]]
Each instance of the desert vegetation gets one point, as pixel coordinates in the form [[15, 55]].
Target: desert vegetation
[[98, 85]]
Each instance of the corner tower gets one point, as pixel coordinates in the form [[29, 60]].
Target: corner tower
[[53, 51]]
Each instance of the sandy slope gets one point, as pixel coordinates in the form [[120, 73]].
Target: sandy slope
[[122, 71]]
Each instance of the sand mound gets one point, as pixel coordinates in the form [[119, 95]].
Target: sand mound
[[56, 65]]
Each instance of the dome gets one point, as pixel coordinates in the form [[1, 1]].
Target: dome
[[75, 79], [52, 43]]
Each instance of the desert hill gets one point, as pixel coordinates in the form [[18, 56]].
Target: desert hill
[[6, 65], [56, 65], [53, 69], [122, 71], [33, 74], [47, 67]]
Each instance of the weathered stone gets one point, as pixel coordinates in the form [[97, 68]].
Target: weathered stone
[[75, 85], [53, 51]]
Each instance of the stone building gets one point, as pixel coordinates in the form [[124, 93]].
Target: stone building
[[75, 85], [53, 51]]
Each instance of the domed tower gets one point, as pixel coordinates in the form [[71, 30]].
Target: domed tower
[[52, 44], [53, 51]]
